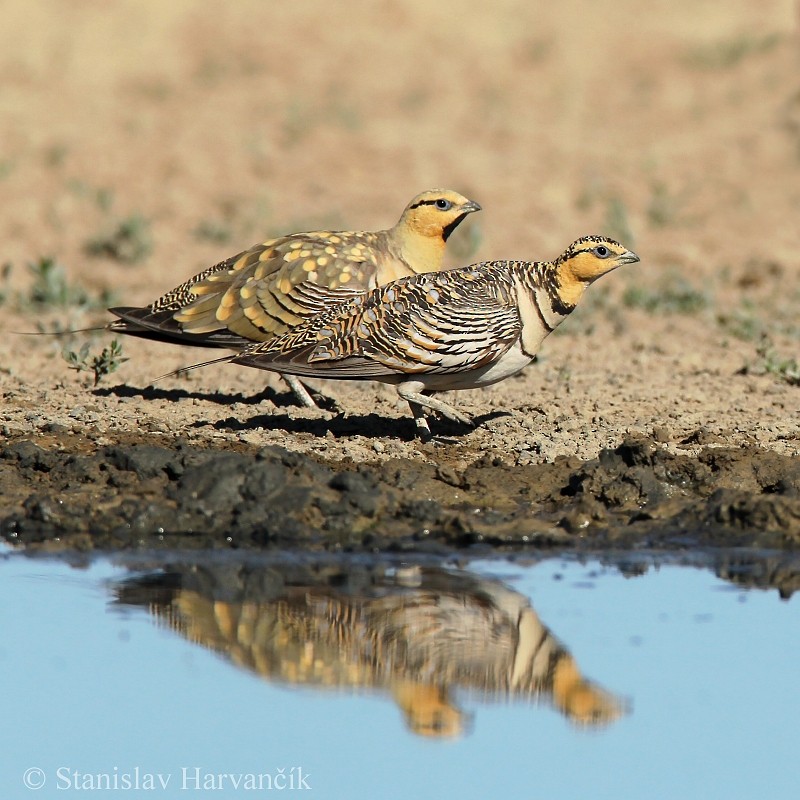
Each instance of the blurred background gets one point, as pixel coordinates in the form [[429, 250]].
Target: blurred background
[[141, 141]]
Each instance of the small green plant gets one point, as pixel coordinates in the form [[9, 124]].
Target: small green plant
[[108, 361], [212, 230], [785, 369], [675, 295], [101, 196], [229, 221], [5, 278], [742, 323], [128, 241], [7, 166], [56, 154], [729, 52], [50, 286]]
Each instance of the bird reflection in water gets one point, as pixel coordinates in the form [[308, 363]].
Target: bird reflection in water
[[419, 633]]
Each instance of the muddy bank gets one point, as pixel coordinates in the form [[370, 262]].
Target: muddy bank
[[64, 492]]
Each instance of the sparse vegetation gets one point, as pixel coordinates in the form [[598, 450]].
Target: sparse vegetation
[[227, 223], [742, 322], [56, 154], [5, 275], [49, 289], [101, 196], [234, 218], [7, 166], [675, 295], [108, 361], [214, 230], [729, 52], [128, 241], [50, 286], [772, 363]]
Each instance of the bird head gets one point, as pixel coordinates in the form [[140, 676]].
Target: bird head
[[584, 261], [436, 213], [590, 257]]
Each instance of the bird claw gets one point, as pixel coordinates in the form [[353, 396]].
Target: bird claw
[[457, 416]]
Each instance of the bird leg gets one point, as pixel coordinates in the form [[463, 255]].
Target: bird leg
[[417, 401], [299, 391]]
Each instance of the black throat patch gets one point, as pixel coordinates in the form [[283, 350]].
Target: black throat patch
[[448, 229]]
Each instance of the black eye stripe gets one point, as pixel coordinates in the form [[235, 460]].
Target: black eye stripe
[[426, 203]]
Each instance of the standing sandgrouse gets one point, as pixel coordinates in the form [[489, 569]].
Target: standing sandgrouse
[[458, 329], [269, 289]]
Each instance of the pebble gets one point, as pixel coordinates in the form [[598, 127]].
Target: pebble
[[661, 434]]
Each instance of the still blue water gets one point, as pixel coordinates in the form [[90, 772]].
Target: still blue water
[[555, 679]]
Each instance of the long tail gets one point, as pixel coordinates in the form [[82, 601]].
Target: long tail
[[62, 333], [157, 326], [174, 372]]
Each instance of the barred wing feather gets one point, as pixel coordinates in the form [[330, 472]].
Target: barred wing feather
[[440, 323]]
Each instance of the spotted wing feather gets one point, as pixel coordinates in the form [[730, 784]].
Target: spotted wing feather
[[257, 295]]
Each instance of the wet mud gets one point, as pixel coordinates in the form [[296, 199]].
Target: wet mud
[[63, 492]]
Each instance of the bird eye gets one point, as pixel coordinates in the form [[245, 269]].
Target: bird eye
[[601, 251], [443, 205]]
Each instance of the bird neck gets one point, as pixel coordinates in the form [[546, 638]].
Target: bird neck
[[546, 281], [570, 286], [421, 251], [541, 309]]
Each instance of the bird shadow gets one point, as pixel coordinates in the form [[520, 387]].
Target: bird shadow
[[278, 399], [346, 425], [341, 425]]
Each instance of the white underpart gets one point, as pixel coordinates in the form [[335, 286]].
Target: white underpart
[[510, 363]]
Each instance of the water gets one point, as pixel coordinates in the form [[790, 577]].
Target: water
[[555, 679]]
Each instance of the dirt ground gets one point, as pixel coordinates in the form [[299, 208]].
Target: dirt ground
[[143, 141]]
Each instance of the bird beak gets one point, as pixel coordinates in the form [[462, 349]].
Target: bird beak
[[628, 257], [469, 207]]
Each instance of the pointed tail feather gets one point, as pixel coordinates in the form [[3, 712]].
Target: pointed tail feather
[[174, 372], [62, 333]]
